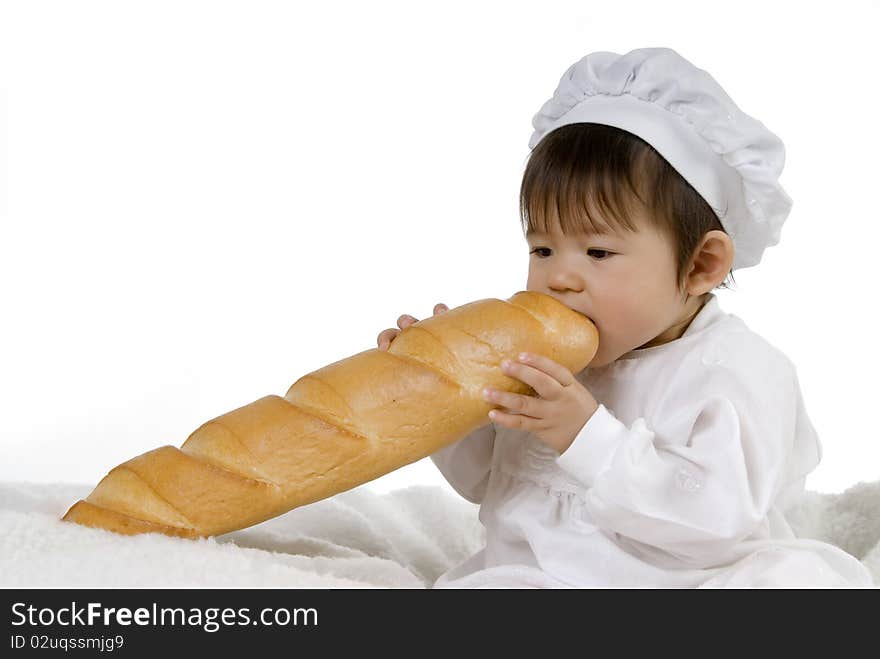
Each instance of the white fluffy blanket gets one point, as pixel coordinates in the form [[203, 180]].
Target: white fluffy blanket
[[357, 539]]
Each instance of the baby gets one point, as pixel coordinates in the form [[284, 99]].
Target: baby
[[670, 460]]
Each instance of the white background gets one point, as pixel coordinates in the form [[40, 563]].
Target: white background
[[203, 201]]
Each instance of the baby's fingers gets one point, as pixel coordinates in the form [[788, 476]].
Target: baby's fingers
[[406, 320], [386, 337]]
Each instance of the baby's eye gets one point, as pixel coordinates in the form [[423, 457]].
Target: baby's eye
[[589, 251]]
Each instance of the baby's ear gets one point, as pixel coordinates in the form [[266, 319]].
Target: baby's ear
[[710, 263]]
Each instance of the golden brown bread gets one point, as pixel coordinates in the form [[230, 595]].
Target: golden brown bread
[[340, 426]]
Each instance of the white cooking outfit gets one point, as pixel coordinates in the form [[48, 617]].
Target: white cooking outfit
[[680, 479]]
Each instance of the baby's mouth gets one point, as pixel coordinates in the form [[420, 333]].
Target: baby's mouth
[[585, 316]]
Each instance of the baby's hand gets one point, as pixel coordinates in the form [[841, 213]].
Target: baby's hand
[[387, 336], [559, 412]]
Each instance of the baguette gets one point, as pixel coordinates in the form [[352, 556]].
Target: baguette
[[340, 426]]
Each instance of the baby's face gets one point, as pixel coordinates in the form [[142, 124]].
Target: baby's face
[[624, 282]]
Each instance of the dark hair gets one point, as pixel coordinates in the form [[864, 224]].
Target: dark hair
[[584, 165]]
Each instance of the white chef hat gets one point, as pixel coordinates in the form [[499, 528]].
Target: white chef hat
[[731, 159]]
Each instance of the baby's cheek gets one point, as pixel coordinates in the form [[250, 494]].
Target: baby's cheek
[[625, 328]]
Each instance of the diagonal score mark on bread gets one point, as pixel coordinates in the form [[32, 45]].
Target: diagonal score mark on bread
[[340, 426]]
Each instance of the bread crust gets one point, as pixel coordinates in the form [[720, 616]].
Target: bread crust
[[340, 426]]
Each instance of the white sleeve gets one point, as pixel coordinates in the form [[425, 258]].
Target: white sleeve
[[707, 477], [466, 463]]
